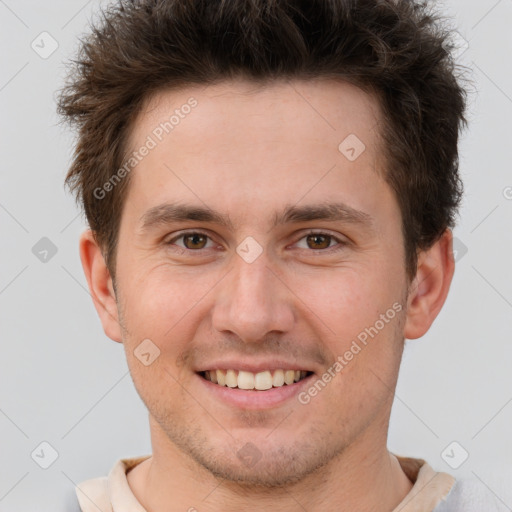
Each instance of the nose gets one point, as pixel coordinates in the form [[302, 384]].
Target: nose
[[253, 301]]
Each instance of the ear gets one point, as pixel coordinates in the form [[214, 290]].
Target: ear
[[100, 285], [430, 287]]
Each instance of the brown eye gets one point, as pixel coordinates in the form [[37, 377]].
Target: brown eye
[[318, 241], [194, 240], [191, 241], [322, 242]]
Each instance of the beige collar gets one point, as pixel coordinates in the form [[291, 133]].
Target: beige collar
[[113, 494]]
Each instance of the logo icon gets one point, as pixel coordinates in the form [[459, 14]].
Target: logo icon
[[146, 352], [351, 147], [249, 250], [44, 455], [249, 455], [44, 250], [454, 455], [44, 45], [460, 44], [459, 249]]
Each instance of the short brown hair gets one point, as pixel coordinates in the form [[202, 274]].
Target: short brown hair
[[397, 49]]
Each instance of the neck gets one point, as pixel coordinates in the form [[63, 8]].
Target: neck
[[364, 477]]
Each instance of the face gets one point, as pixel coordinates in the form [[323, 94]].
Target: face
[[294, 271]]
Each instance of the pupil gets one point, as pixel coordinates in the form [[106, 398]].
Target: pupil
[[193, 237], [319, 237]]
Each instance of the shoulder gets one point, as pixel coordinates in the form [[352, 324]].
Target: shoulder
[[112, 492], [470, 495], [93, 495]]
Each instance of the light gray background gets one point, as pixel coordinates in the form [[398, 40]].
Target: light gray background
[[64, 382]]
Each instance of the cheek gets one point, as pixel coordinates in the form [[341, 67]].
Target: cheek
[[155, 301], [365, 374], [158, 317], [164, 306], [360, 315], [345, 300]]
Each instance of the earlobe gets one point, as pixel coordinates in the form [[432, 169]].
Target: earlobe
[[430, 287], [100, 285]]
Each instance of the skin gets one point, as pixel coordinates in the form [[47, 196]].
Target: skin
[[248, 151]]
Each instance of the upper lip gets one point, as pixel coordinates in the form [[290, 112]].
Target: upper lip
[[255, 366]]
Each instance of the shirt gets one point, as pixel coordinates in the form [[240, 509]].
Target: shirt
[[430, 489]]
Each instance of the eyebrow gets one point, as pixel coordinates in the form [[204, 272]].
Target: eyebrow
[[168, 213]]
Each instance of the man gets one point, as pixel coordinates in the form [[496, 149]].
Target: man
[[270, 188]]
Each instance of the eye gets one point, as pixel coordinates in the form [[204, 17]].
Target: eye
[[314, 240], [321, 241], [192, 240]]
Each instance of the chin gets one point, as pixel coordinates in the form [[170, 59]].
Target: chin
[[267, 474], [256, 464]]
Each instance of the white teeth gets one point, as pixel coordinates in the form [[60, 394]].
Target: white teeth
[[231, 380], [221, 377], [245, 380], [263, 380], [278, 378], [260, 381], [289, 376]]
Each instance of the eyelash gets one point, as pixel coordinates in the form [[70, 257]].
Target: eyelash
[[341, 243]]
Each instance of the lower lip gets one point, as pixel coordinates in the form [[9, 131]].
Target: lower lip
[[254, 399]]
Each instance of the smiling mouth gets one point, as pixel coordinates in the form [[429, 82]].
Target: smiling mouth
[[260, 381]]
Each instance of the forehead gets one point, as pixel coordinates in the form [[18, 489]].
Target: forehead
[[239, 139], [240, 110]]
